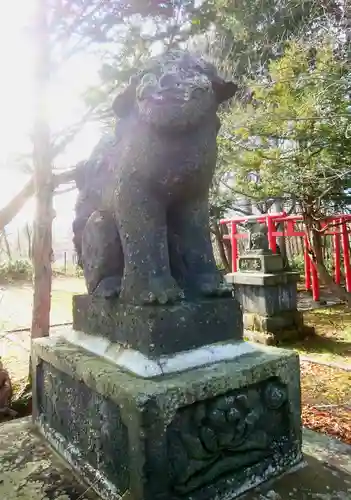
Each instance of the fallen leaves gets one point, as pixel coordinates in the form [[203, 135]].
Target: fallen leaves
[[326, 400], [334, 423]]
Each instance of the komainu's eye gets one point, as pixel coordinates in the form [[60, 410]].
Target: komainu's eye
[[149, 79], [170, 68], [168, 80], [201, 79]]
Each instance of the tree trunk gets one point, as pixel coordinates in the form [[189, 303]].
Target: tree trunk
[[42, 230], [281, 242], [29, 241], [19, 245], [278, 207], [220, 245], [7, 245], [227, 244]]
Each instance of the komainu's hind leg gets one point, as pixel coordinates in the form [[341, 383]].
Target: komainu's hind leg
[[102, 256]]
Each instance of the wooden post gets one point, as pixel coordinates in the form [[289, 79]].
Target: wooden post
[[234, 242], [308, 265], [42, 233], [271, 229], [337, 264], [346, 252]]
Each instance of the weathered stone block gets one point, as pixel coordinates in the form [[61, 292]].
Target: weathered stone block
[[274, 324], [266, 299], [269, 304], [211, 432], [157, 330]]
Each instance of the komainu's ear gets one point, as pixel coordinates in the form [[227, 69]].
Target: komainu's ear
[[224, 90], [125, 101]]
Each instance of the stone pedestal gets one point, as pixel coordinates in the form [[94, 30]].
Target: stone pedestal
[[268, 296], [208, 422], [159, 330]]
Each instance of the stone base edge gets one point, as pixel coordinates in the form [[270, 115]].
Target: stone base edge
[[139, 364], [73, 457], [262, 279]]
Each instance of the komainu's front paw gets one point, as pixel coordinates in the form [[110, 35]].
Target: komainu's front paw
[[211, 285], [108, 288], [161, 290], [157, 290]]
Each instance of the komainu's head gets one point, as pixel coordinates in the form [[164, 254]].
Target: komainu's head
[[176, 89]]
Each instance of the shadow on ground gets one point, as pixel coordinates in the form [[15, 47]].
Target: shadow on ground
[[315, 481], [321, 345], [333, 333]]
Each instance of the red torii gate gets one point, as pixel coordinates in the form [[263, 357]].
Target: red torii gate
[[335, 226]]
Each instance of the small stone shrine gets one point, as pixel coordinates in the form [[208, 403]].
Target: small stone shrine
[[153, 394], [267, 292]]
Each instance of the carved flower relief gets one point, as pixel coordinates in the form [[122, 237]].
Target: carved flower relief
[[227, 420], [274, 395], [212, 436]]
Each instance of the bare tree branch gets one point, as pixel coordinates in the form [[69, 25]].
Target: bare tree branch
[[17, 203]]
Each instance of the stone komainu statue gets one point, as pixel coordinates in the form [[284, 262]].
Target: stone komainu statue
[[141, 229], [258, 237]]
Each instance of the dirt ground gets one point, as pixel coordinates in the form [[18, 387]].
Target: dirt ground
[[16, 302], [16, 313]]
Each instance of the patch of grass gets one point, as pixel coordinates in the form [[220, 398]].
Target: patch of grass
[[332, 341], [21, 270], [69, 271], [297, 263], [16, 270]]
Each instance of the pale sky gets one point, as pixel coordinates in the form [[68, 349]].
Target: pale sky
[[16, 106], [66, 106]]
